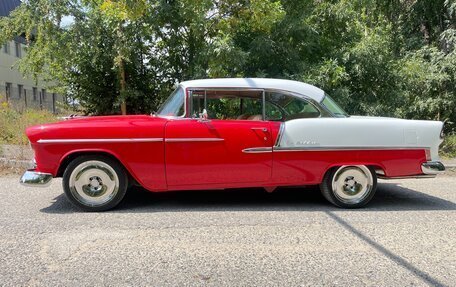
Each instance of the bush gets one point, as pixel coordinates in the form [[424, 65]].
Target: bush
[[448, 147], [14, 123]]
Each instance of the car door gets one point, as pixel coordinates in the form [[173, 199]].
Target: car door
[[220, 150]]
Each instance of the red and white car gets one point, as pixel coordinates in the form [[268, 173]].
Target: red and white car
[[233, 133]]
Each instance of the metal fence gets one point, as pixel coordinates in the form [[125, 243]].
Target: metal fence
[[22, 98]]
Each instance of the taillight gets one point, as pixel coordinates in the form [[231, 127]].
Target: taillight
[[428, 154]]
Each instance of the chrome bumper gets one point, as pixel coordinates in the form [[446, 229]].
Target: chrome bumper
[[432, 167], [35, 178]]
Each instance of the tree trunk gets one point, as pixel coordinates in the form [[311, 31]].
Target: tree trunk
[[426, 32], [123, 87], [121, 65]]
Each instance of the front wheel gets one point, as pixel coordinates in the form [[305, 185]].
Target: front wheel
[[349, 186], [95, 183]]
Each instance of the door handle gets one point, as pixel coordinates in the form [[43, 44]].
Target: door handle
[[260, 129]]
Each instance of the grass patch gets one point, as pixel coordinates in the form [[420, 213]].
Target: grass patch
[[448, 147], [14, 123]]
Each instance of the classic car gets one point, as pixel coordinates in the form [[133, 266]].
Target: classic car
[[233, 133]]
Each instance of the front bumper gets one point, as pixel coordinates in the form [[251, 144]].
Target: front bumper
[[432, 167], [35, 178]]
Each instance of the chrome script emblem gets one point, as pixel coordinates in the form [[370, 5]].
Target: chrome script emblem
[[307, 142]]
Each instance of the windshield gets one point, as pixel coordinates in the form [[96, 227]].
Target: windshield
[[333, 107], [174, 105]]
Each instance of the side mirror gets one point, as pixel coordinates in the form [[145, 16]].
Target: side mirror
[[203, 117]]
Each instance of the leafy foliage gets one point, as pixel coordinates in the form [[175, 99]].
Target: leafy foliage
[[448, 148], [375, 57]]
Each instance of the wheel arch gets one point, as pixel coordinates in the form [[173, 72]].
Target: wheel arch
[[380, 170], [70, 156]]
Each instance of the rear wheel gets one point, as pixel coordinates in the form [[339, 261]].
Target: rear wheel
[[349, 186], [95, 183]]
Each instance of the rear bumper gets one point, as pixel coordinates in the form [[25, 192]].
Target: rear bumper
[[432, 167], [35, 178]]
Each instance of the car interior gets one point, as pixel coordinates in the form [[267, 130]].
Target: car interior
[[247, 105]]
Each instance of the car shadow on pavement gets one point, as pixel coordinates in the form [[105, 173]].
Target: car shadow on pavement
[[389, 197]]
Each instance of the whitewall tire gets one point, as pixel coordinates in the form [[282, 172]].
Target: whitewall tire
[[95, 183], [349, 186]]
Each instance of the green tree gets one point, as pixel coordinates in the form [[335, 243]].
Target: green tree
[[394, 57]]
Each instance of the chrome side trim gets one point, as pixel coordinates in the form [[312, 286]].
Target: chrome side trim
[[174, 140], [432, 168], [119, 140], [257, 150], [279, 135], [332, 148], [33, 178], [407, 177]]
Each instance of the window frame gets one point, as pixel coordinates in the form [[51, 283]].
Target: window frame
[[312, 102], [189, 99], [191, 90]]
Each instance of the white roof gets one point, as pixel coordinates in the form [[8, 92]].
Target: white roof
[[259, 83]]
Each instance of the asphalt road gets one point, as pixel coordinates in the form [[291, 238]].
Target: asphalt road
[[406, 237]]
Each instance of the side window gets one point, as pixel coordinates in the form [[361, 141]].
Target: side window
[[273, 112], [286, 107], [228, 105]]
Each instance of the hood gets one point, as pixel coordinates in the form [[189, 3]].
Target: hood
[[94, 127]]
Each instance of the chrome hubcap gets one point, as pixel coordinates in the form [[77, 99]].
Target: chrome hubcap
[[94, 183], [352, 184]]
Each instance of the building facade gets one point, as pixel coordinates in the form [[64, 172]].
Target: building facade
[[20, 92]]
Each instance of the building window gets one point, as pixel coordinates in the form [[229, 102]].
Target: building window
[[20, 91], [18, 49], [44, 95], [8, 90], [35, 92], [6, 48]]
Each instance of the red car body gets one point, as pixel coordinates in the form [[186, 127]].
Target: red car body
[[175, 154], [163, 153]]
